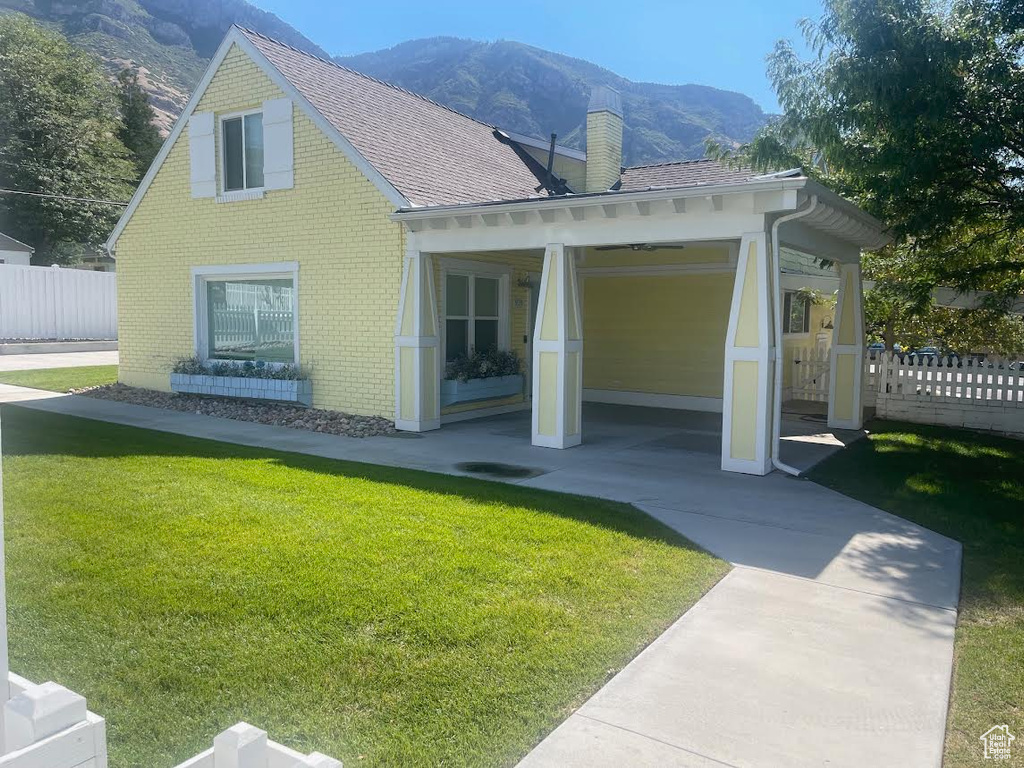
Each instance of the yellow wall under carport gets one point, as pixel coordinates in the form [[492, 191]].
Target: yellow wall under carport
[[657, 333]]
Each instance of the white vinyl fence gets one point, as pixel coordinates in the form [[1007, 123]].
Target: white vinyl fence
[[971, 392], [55, 303], [809, 374]]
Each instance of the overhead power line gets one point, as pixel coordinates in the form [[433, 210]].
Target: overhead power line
[[63, 197]]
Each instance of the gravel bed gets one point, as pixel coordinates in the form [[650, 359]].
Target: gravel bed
[[261, 412]]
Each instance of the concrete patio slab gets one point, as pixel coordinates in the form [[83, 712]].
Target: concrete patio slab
[[829, 643]]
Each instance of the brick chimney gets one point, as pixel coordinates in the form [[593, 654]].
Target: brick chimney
[[604, 138]]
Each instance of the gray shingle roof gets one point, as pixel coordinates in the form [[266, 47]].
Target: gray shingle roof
[[428, 152], [689, 173], [8, 243]]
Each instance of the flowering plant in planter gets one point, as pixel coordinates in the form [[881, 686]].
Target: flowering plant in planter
[[248, 379], [489, 364], [248, 369], [490, 375]]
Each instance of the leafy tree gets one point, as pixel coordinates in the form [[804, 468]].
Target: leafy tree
[[913, 109], [58, 136], [137, 131]]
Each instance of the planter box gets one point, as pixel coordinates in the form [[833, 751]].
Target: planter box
[[298, 391], [454, 391]]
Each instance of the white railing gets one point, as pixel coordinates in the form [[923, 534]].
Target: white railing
[[54, 303], [245, 746]]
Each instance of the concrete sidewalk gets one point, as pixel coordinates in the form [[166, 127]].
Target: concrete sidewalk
[[830, 642], [56, 360]]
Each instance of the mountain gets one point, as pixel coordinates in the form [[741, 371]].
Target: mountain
[[515, 86], [537, 92], [169, 41]]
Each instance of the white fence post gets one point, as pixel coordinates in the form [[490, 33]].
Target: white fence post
[[246, 746], [55, 303]]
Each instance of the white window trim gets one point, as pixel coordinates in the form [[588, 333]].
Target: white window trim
[[785, 318], [471, 269], [245, 193], [272, 270]]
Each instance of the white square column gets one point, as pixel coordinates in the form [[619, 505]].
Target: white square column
[[558, 354], [749, 363], [417, 348], [846, 358]]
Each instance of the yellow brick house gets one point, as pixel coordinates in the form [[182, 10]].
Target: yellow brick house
[[384, 236]]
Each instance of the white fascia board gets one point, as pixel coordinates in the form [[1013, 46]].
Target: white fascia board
[[830, 199], [235, 37], [603, 198]]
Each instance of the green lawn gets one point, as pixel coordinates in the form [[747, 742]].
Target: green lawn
[[969, 487], [61, 379], [383, 616]]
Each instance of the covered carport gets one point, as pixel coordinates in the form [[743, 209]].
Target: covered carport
[[608, 262]]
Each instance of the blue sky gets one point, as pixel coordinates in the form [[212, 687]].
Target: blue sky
[[721, 43]]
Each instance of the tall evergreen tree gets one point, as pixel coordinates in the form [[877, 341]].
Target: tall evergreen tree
[[137, 131], [58, 136]]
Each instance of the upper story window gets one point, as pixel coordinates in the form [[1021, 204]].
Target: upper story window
[[241, 154], [242, 143], [796, 313]]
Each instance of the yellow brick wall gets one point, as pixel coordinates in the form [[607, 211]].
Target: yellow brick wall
[[333, 223], [604, 150]]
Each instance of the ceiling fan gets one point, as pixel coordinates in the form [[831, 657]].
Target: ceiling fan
[[639, 247]]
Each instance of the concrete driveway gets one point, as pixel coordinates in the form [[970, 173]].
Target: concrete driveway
[[829, 643]]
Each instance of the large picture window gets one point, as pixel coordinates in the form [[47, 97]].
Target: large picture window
[[242, 149], [796, 313], [473, 306], [247, 317]]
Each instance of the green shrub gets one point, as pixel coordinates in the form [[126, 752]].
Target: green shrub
[[248, 369], [484, 365]]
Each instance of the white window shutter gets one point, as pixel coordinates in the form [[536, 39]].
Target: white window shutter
[[278, 145], [203, 154]]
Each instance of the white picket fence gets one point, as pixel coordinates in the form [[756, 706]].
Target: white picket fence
[[976, 392], [55, 303], [809, 374]]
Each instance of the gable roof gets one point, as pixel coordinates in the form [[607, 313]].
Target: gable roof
[[8, 243], [688, 173], [417, 152], [430, 153]]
